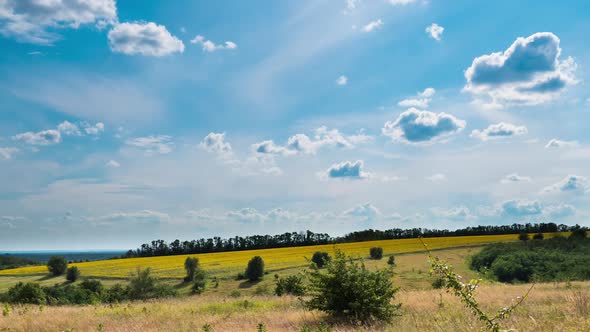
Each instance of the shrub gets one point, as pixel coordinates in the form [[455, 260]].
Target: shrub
[[348, 289], [240, 276], [26, 293], [516, 267], [57, 265], [72, 273], [255, 269], [538, 236], [578, 233], [70, 294], [199, 282], [391, 260], [376, 252], [190, 265], [92, 285], [523, 237], [438, 283], [320, 258], [116, 294], [163, 290], [292, 284], [142, 285]]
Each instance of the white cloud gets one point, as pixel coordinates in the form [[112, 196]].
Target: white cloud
[[144, 216], [366, 211], [556, 143], [570, 184], [499, 130], [351, 4], [521, 208], [416, 126], [112, 164], [94, 130], [421, 101], [69, 129], [147, 39], [529, 72], [457, 213], [45, 137], [373, 25], [401, 2], [209, 46], [347, 170], [511, 178], [559, 211], [160, 144], [8, 153], [215, 142], [438, 177], [342, 80], [435, 31], [32, 21]]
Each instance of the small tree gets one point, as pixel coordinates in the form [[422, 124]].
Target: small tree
[[376, 252], [57, 265], [190, 265], [538, 236], [199, 280], [72, 274], [142, 285], [347, 288], [255, 269], [292, 284], [523, 237], [391, 260], [320, 258], [578, 233]]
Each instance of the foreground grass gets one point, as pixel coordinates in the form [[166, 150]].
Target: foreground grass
[[550, 307]]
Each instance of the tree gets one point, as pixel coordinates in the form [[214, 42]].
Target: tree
[[376, 252], [391, 260], [27, 293], [523, 237], [199, 280], [255, 269], [142, 285], [57, 265], [72, 273], [347, 288], [292, 284], [578, 233], [320, 258], [190, 265], [538, 236]]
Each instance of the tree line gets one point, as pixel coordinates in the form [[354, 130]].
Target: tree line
[[308, 238]]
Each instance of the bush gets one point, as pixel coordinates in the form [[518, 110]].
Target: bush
[[255, 269], [72, 273], [57, 265], [523, 237], [94, 286], [199, 278], [292, 284], [348, 289], [26, 293], [578, 233], [438, 283], [116, 294], [391, 260], [70, 294], [513, 268], [190, 265], [320, 258], [142, 285], [376, 252], [538, 236]]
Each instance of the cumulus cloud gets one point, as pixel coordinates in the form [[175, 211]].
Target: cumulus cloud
[[373, 25], [8, 153], [456, 213], [30, 21], [511, 178], [521, 208], [435, 31], [161, 144], [303, 144], [342, 80], [438, 177], [366, 211], [94, 130], [112, 164], [69, 129], [215, 142], [556, 143], [416, 126], [422, 100], [209, 46], [499, 130], [529, 72], [45, 137], [347, 170], [149, 39], [570, 184]]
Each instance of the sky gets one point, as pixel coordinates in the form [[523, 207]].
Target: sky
[[132, 120]]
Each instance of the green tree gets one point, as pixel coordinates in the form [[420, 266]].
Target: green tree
[[376, 252], [143, 284], [27, 293], [523, 236], [72, 273], [391, 260], [292, 284], [578, 233], [538, 236], [320, 258], [57, 265], [255, 269], [347, 288], [199, 280], [190, 265]]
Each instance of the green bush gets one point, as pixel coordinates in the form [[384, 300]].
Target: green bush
[[320, 258], [438, 283], [376, 252], [292, 284], [523, 237], [26, 293], [142, 285], [190, 265], [116, 294], [538, 236], [391, 260], [57, 265], [348, 289], [72, 273], [199, 282], [255, 269], [92, 285]]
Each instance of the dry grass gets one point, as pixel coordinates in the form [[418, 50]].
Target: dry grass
[[550, 307]]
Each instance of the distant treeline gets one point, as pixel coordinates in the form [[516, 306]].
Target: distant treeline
[[11, 262], [308, 238]]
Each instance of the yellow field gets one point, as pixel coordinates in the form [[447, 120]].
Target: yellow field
[[226, 264]]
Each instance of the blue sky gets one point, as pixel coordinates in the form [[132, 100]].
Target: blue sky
[[126, 121]]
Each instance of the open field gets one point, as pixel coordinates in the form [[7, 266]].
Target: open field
[[550, 307]]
